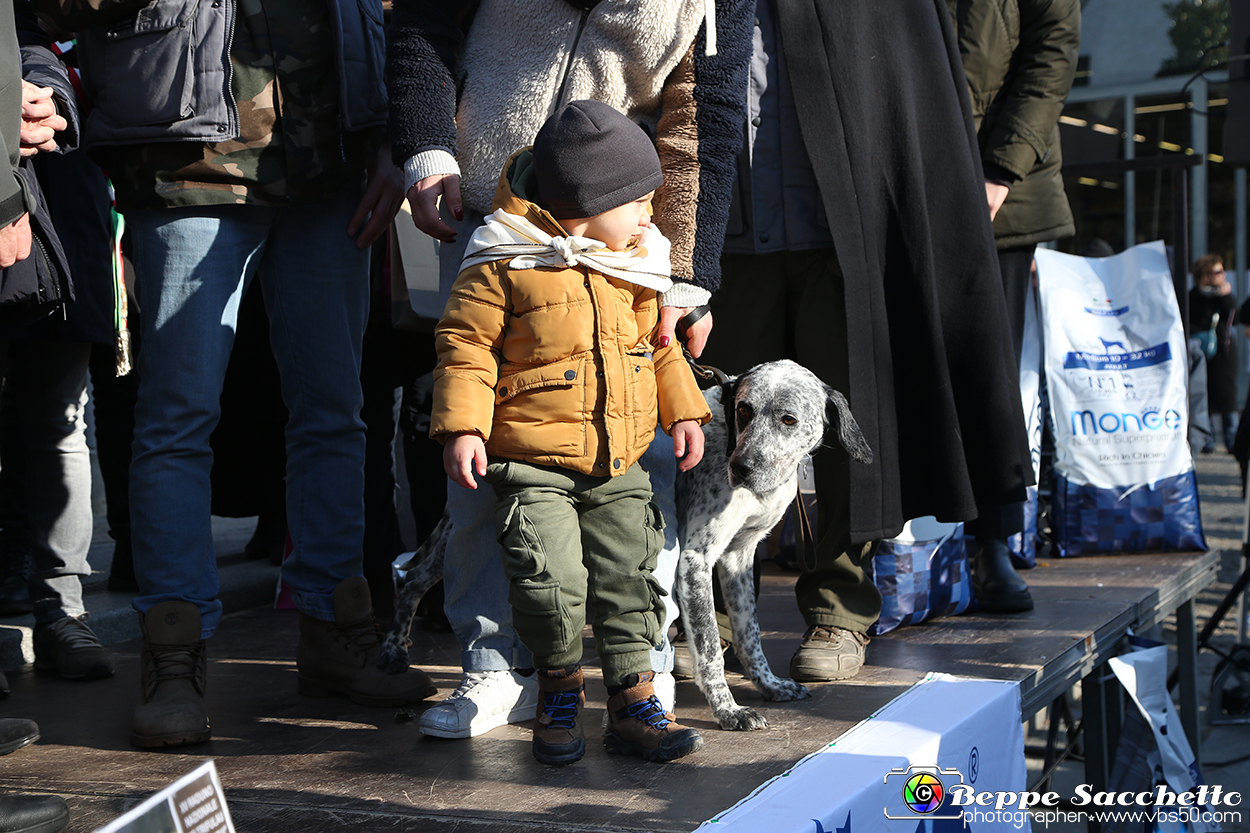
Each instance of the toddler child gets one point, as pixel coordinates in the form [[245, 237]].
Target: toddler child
[[549, 385]]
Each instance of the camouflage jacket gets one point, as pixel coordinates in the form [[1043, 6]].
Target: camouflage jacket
[[291, 133]]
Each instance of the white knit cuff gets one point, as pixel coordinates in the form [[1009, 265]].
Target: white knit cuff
[[428, 163], [684, 294]]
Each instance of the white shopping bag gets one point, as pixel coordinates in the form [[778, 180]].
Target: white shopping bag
[[1144, 673]]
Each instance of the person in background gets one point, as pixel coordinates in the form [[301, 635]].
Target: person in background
[[45, 465], [859, 246], [1212, 315], [17, 812], [1019, 57], [270, 162], [463, 97]]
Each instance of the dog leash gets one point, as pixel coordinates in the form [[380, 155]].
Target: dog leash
[[803, 533]]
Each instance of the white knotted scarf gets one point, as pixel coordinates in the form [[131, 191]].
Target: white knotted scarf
[[525, 246]]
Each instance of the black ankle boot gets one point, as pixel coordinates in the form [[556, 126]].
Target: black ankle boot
[[998, 587]]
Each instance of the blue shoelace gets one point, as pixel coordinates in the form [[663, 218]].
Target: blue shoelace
[[561, 707], [649, 711]]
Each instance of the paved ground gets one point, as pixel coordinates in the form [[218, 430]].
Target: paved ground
[[294, 764]]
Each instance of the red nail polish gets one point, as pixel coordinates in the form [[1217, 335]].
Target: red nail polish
[[459, 212], [664, 341]]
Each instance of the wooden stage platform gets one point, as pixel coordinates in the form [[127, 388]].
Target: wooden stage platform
[[290, 763]]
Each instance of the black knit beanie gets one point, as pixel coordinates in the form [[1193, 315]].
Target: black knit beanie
[[589, 158]]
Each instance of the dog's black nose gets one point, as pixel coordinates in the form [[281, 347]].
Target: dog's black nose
[[741, 470]]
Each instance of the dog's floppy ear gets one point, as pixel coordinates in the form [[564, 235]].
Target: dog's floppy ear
[[838, 413]]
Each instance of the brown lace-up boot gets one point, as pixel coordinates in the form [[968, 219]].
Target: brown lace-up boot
[[558, 738], [171, 709], [341, 657], [638, 725]]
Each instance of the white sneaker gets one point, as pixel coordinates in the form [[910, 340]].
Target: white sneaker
[[484, 700], [665, 688]]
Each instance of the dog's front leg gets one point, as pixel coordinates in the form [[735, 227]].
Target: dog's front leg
[[393, 658], [694, 583], [738, 587]]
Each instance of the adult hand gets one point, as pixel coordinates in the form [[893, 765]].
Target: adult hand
[[381, 200], [423, 200], [40, 121], [995, 195], [696, 335], [687, 444], [463, 455], [15, 241]]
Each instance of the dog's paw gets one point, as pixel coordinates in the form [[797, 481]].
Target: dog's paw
[[393, 659], [781, 689], [741, 719]]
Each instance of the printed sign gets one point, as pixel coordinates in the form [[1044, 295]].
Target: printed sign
[[195, 803]]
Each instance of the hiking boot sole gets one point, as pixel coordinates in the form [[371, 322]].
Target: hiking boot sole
[[314, 688], [616, 745], [171, 739], [560, 755]]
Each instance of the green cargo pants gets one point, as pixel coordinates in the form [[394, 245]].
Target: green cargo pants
[[573, 539]]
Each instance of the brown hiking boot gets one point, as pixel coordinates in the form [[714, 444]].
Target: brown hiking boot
[[171, 709], [828, 653], [638, 725], [558, 738], [341, 657]]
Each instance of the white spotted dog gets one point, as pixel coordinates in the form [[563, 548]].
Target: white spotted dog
[[763, 423], [424, 570]]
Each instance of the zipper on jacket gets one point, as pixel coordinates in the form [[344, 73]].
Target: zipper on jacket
[[568, 65], [232, 108], [54, 276]]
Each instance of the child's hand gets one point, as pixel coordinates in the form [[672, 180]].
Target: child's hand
[[687, 444], [463, 455]]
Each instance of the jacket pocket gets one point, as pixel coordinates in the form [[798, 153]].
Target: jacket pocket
[[146, 61], [643, 397], [537, 613], [653, 535], [542, 410]]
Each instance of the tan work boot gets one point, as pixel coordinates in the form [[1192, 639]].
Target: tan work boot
[[638, 725], [341, 657], [558, 738], [828, 653], [171, 709]]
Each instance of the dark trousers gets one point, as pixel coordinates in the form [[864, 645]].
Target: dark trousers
[[792, 305], [1016, 266]]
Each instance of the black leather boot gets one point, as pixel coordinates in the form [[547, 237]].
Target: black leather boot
[[998, 587]]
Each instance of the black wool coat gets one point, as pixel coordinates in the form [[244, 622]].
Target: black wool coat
[[884, 112]]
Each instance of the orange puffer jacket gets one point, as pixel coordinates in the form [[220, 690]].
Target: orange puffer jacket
[[556, 366]]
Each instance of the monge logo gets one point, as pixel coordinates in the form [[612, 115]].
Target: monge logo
[[1150, 419]]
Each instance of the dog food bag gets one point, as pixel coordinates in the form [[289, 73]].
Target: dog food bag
[[1023, 545], [922, 574], [1115, 363]]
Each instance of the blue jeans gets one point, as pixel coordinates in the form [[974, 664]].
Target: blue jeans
[[475, 587], [45, 451], [193, 265]]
